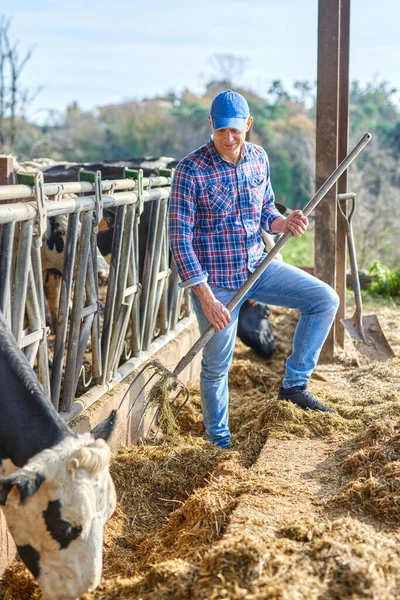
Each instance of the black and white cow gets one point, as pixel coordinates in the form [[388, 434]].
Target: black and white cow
[[58, 492], [52, 255]]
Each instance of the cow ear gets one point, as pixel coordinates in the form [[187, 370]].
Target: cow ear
[[104, 429], [19, 483]]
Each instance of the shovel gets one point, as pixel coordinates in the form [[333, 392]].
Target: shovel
[[365, 332]]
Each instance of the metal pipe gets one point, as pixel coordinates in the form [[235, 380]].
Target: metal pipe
[[92, 298], [160, 232], [111, 290], [30, 338], [162, 274], [21, 279], [127, 311], [174, 296], [135, 314], [164, 270], [15, 192], [82, 343], [133, 279], [118, 335], [119, 328], [31, 352], [33, 314], [6, 253], [147, 278], [73, 338], [43, 353], [22, 211], [63, 307], [32, 341], [126, 250]]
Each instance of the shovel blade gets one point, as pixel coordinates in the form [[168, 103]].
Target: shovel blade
[[375, 347]]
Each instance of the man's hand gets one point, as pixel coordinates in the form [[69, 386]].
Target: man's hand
[[296, 222], [214, 310]]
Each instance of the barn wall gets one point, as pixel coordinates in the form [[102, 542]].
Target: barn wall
[[125, 433]]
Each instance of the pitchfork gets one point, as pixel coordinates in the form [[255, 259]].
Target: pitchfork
[[168, 394]]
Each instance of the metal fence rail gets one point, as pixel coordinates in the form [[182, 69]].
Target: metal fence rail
[[95, 336]]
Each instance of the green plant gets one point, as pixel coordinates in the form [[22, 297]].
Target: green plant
[[300, 251], [387, 282]]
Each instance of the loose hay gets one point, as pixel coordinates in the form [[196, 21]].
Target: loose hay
[[338, 560], [158, 399], [374, 470], [18, 584], [152, 482]]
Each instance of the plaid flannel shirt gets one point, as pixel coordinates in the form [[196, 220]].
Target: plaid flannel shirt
[[216, 213]]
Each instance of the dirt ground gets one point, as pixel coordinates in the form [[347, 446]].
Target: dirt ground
[[303, 505]]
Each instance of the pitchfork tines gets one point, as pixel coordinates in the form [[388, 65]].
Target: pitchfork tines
[[160, 398]]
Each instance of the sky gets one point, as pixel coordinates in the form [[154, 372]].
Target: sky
[[99, 52]]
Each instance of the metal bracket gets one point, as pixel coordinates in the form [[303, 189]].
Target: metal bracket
[[36, 180], [59, 194], [95, 178], [169, 173], [112, 188], [347, 215], [82, 376], [137, 175]]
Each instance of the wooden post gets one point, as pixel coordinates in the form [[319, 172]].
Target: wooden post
[[6, 170], [344, 51], [327, 146]]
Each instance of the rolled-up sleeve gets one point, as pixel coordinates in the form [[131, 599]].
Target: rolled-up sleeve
[[181, 217], [269, 211]]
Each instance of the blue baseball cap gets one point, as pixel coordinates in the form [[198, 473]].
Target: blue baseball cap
[[229, 109]]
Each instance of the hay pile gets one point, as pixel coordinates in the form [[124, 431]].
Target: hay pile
[[372, 465], [177, 535], [18, 584], [331, 560]]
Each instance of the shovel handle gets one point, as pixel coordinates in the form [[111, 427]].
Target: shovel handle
[[352, 197], [353, 262], [315, 200]]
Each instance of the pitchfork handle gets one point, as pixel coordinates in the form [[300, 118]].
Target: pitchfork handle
[[323, 190]]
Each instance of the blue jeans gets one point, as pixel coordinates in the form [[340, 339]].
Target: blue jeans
[[280, 285]]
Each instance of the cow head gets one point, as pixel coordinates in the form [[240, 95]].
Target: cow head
[[56, 507]]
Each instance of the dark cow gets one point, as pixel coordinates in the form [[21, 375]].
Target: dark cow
[[254, 328], [111, 169], [58, 492]]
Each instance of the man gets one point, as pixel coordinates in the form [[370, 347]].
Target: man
[[221, 199]]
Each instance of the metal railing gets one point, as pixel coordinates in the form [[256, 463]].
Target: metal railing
[[143, 303]]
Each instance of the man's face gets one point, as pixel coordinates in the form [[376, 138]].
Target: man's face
[[228, 141]]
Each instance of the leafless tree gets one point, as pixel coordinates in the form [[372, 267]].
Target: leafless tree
[[229, 68], [376, 228], [13, 98]]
